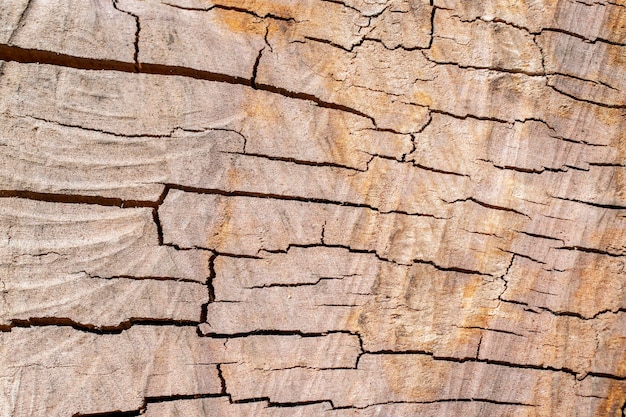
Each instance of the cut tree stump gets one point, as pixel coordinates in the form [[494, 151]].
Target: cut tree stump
[[313, 208]]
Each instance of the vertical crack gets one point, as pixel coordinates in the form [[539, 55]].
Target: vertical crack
[[255, 68], [157, 221], [137, 32], [267, 42], [222, 382], [211, 290], [155, 214], [432, 24], [506, 282], [211, 277], [480, 341]]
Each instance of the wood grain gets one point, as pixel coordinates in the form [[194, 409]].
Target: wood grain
[[323, 207]]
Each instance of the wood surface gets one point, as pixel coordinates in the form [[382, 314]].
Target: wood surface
[[313, 208]]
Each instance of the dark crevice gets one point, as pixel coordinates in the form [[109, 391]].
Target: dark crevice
[[90, 328], [582, 100], [296, 284], [220, 375], [144, 278], [505, 281], [338, 246], [297, 161], [233, 255], [294, 404], [116, 413], [607, 164], [233, 9], [210, 289], [347, 6], [480, 342], [559, 313], [26, 55], [581, 37], [591, 250], [549, 29], [77, 199], [522, 256], [491, 330], [432, 24], [255, 68], [439, 171], [150, 400], [190, 9], [169, 134], [575, 77], [159, 226], [336, 45], [470, 116], [405, 155], [211, 278], [268, 332], [451, 268], [310, 97], [272, 404], [525, 170], [487, 205], [254, 14], [168, 398], [607, 376], [487, 361], [251, 194]]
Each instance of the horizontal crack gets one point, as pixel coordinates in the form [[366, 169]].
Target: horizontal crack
[[269, 332], [442, 400], [487, 361], [26, 55], [76, 199], [296, 284], [591, 203], [595, 103], [487, 205], [143, 278], [91, 328], [296, 161], [251, 194], [591, 250]]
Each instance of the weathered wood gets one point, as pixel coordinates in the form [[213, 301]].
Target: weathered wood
[[320, 207]]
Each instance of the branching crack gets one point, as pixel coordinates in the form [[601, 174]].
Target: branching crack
[[252, 194], [590, 203], [255, 68], [443, 400], [26, 55]]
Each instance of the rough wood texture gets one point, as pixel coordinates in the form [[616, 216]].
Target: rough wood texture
[[319, 207]]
